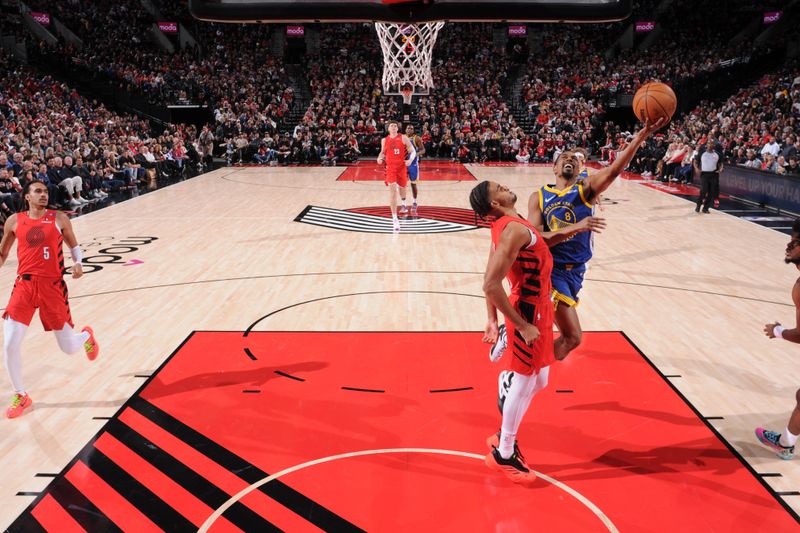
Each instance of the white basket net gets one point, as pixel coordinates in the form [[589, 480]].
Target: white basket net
[[407, 55]]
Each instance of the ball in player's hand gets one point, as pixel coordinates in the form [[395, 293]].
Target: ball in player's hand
[[653, 101]]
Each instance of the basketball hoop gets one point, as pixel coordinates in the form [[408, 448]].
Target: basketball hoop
[[407, 56]]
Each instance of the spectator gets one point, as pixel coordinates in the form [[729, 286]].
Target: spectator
[[771, 147]]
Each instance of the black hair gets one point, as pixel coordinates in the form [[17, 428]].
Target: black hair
[[26, 190], [479, 199], [796, 227]]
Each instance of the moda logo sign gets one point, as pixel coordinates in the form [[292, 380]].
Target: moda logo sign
[[168, 27], [645, 26], [41, 18], [771, 17], [295, 31], [102, 251], [517, 31]]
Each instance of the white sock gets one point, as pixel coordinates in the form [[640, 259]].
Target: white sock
[[506, 448], [69, 341], [523, 388], [13, 333], [403, 200], [788, 438], [516, 404]]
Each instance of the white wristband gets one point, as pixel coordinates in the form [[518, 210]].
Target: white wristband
[[77, 256], [778, 331]]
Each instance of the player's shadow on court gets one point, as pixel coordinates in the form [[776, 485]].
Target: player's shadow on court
[[681, 208], [333, 426], [80, 405], [257, 377], [731, 375], [650, 414], [680, 463]]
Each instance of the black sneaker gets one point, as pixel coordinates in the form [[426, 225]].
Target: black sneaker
[[514, 467]]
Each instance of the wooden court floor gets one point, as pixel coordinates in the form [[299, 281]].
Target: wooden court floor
[[224, 251]]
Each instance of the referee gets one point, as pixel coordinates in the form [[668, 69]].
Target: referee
[[709, 163]]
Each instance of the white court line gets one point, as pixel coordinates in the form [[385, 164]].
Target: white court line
[[241, 494]]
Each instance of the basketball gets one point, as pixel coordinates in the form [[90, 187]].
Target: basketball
[[653, 101]]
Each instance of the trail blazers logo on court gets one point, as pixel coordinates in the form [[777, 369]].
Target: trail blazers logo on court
[[429, 219]]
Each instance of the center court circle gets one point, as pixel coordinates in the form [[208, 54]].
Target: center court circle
[[241, 494]]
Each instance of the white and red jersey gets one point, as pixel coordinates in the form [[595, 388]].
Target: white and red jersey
[[395, 150], [40, 246]]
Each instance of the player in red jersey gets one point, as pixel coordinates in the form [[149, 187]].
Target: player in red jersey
[[519, 253], [395, 148], [40, 285]]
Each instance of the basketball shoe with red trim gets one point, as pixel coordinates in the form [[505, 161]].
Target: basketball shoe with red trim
[[19, 403], [91, 346], [514, 467]]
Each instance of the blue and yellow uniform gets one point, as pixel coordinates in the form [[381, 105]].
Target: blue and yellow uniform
[[584, 174], [561, 209], [413, 168]]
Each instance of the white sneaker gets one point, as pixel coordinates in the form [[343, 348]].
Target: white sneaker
[[499, 348], [82, 200], [74, 203], [395, 225]]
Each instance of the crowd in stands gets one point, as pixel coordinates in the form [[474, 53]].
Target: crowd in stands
[[80, 149], [469, 116], [466, 117], [756, 128]]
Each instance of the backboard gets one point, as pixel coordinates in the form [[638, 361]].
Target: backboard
[[410, 11]]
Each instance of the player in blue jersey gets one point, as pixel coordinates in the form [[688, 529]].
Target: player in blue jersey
[[569, 202], [553, 208], [413, 168]]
